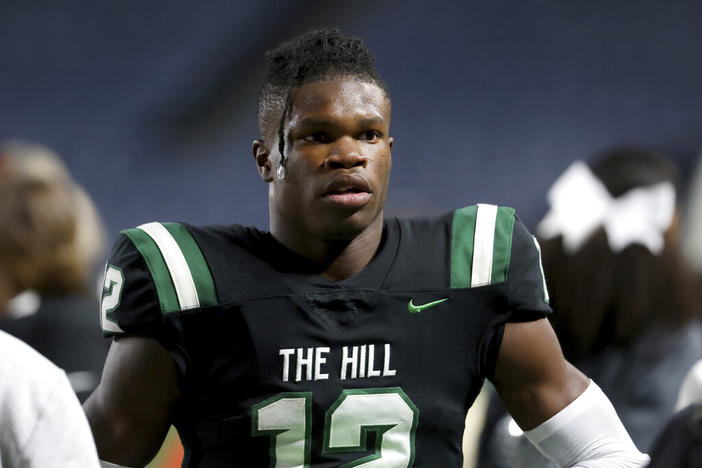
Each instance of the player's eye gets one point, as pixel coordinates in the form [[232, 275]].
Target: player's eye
[[369, 135], [317, 137]]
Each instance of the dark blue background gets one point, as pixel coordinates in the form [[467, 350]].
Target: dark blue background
[[152, 104]]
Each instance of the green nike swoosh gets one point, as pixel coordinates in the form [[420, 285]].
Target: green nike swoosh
[[415, 309]]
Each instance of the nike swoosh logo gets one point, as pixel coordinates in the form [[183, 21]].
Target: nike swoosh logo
[[415, 309]]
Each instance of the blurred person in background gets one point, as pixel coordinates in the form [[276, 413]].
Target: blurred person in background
[[60, 324], [41, 421], [680, 443], [691, 390], [623, 295]]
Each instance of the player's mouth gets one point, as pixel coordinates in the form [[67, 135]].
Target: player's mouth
[[351, 191]]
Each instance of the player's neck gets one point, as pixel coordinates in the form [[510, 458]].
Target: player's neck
[[337, 259]]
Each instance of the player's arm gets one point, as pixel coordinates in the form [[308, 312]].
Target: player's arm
[[132, 407], [564, 414], [130, 411]]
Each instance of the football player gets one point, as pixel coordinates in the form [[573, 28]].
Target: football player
[[339, 338]]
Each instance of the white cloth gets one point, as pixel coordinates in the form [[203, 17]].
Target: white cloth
[[691, 388], [580, 203], [42, 424]]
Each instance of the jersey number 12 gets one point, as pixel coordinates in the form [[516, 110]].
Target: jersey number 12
[[286, 419]]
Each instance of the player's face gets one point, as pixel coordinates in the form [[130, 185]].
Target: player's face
[[338, 169]]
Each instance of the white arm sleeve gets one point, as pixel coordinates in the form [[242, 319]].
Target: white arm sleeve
[[586, 434]]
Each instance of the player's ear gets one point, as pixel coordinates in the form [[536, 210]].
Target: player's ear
[[262, 153]]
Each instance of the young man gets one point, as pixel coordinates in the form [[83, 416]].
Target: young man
[[339, 338]]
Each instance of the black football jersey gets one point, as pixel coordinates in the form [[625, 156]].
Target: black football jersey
[[280, 367]]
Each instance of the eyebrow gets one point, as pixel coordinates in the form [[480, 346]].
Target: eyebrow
[[363, 122]]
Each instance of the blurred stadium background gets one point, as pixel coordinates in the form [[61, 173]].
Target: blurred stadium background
[[153, 104]]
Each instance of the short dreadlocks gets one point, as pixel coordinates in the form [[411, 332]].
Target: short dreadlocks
[[313, 56]]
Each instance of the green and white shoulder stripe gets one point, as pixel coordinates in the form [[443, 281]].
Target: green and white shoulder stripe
[[180, 273], [481, 245]]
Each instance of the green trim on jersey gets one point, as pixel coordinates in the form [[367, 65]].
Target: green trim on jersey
[[462, 246], [165, 280], [502, 250], [200, 271], [151, 254], [285, 437]]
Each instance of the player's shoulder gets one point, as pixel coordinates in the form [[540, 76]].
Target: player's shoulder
[[174, 241], [490, 245], [482, 219], [183, 234], [460, 225], [461, 220], [470, 248], [445, 250], [180, 254], [481, 244], [478, 241], [159, 268]]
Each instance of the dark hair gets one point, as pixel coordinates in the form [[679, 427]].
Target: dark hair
[[313, 56], [601, 298], [625, 167]]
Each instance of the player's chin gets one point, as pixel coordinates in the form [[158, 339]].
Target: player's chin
[[350, 224]]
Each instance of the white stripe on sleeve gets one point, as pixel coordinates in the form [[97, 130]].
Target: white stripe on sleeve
[[177, 266], [483, 245]]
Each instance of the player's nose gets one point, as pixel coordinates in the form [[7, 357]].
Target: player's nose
[[345, 154]]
